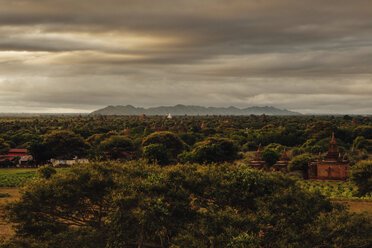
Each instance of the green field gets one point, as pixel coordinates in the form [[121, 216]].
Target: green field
[[17, 177], [334, 190]]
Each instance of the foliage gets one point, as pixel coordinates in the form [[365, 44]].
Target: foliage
[[117, 147], [156, 153], [46, 171], [270, 156], [300, 162], [361, 176], [363, 130], [140, 205], [300, 134], [212, 150], [65, 144], [334, 190], [362, 143], [169, 140], [40, 151], [4, 147]]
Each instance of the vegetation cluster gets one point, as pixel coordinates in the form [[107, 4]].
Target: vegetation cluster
[[143, 205]]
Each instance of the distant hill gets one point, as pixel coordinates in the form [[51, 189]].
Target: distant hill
[[191, 110]]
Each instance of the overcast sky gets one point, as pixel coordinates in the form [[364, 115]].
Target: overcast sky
[[79, 55]]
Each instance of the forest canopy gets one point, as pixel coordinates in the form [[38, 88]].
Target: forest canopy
[[140, 205]]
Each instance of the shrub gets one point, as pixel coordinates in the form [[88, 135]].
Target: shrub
[[117, 147], [212, 150], [138, 205], [270, 156], [46, 171], [156, 153], [300, 162], [172, 143], [361, 176]]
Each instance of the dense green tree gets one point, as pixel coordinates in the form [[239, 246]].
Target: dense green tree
[[117, 147], [300, 162], [364, 130], [361, 176], [65, 144], [67, 210], [213, 149], [156, 153], [4, 147], [169, 140], [46, 171], [40, 151], [140, 205], [270, 156], [361, 143]]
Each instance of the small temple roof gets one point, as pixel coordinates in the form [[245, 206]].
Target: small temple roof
[[284, 156], [333, 152]]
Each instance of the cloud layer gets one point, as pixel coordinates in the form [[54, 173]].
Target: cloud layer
[[76, 56]]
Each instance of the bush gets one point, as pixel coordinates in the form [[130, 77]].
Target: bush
[[46, 171], [156, 153], [270, 156], [140, 205], [300, 162], [361, 176], [172, 143], [117, 147], [212, 150], [65, 144]]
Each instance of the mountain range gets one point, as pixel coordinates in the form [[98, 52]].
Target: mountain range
[[191, 110]]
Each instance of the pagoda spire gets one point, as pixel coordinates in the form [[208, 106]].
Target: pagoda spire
[[333, 151], [257, 156], [284, 155], [333, 140]]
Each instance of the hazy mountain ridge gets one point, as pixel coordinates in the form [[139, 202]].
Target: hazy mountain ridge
[[191, 110]]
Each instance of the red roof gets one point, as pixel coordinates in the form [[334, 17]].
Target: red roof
[[15, 155], [18, 151], [2, 159]]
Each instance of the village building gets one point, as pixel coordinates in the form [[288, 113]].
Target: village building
[[68, 162], [17, 157], [258, 162], [282, 164], [332, 167]]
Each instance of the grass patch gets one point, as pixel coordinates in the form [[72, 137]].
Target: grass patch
[[17, 177], [334, 190]]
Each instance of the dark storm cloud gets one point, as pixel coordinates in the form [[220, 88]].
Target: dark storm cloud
[[311, 56]]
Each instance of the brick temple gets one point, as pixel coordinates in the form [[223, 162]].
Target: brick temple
[[283, 162], [332, 167], [258, 162]]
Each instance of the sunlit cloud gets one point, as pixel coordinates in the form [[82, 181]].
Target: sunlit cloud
[[71, 56]]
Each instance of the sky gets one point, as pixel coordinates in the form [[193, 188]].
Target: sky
[[80, 55]]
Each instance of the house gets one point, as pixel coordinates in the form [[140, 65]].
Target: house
[[332, 167], [68, 162], [17, 157]]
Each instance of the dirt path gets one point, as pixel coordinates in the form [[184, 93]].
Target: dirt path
[[359, 206], [5, 228]]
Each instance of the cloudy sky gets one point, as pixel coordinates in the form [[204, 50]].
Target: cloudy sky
[[79, 55]]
